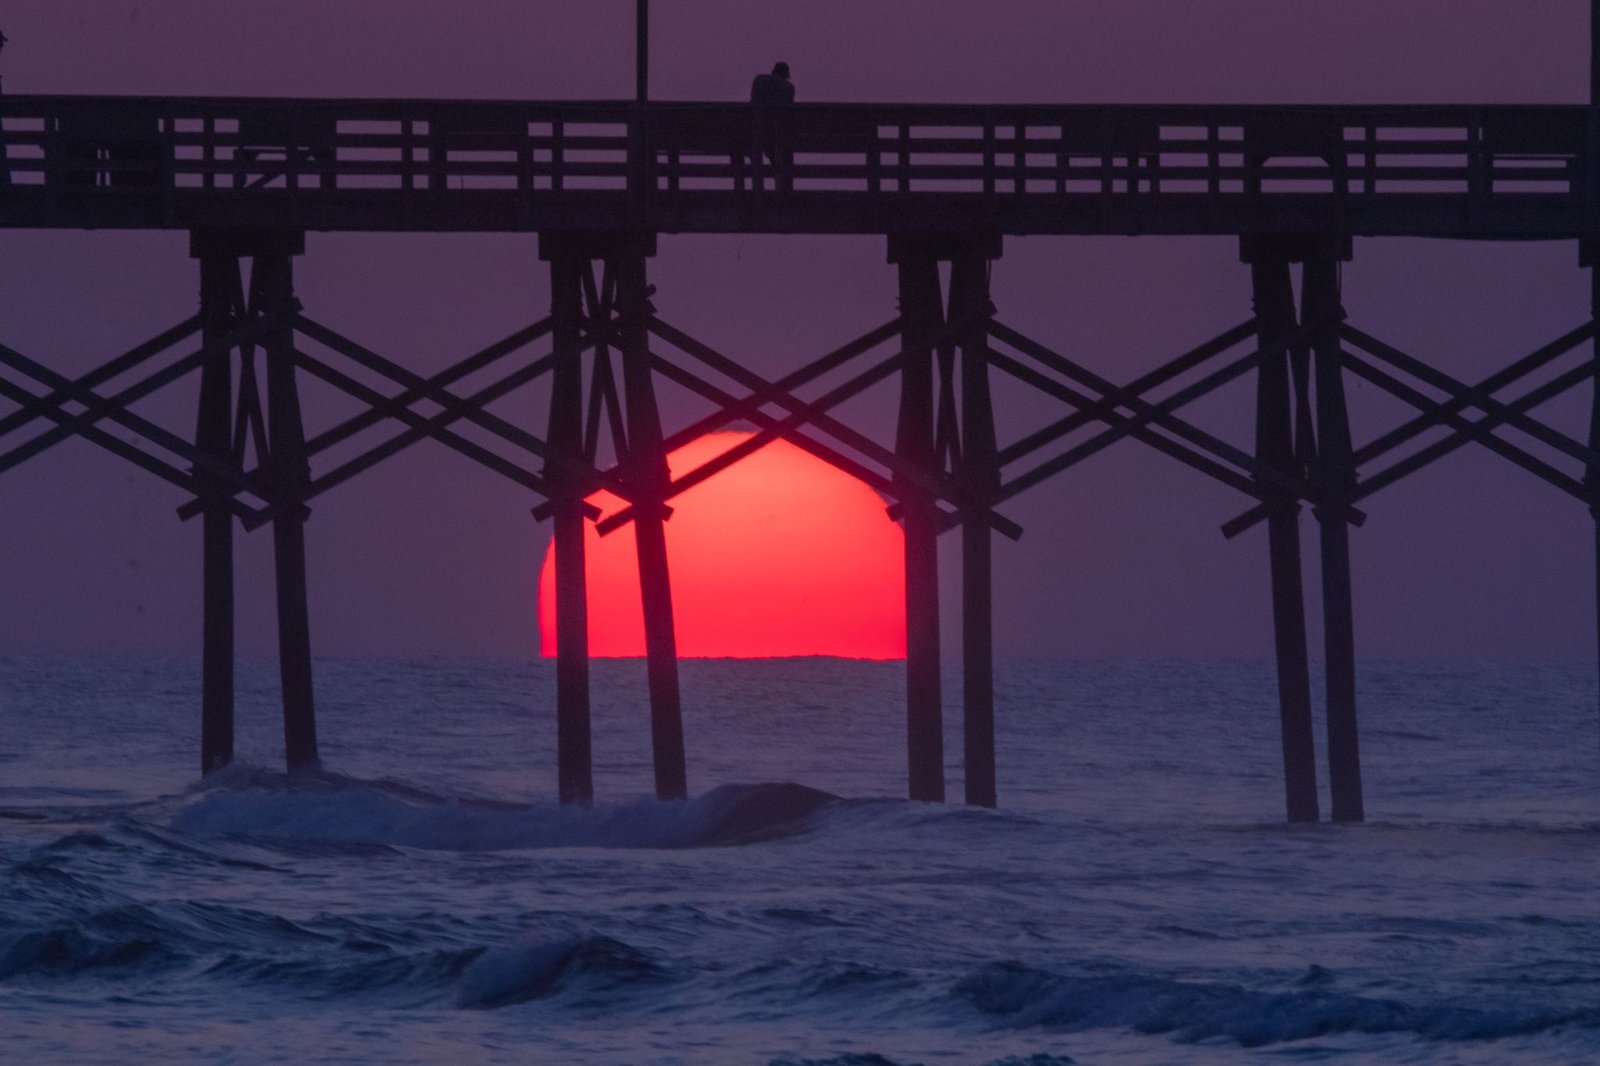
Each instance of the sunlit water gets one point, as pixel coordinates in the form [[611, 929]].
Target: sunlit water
[[1136, 899]]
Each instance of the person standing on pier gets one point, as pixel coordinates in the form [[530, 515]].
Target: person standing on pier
[[771, 95]]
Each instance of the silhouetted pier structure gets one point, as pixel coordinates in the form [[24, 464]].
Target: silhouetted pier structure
[[597, 182]]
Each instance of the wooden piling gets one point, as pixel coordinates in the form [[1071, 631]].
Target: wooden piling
[[980, 476], [272, 284], [922, 317], [647, 463], [221, 298], [574, 752], [1321, 306], [1275, 315], [1590, 257]]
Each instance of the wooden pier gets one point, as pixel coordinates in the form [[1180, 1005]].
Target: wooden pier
[[944, 185]]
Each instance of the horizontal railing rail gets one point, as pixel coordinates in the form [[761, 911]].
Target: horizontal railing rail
[[410, 164]]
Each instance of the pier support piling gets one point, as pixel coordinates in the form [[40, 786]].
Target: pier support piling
[[574, 755], [272, 294], [1322, 310], [647, 463], [1589, 251], [922, 322], [970, 310], [221, 307], [595, 316], [1275, 314]]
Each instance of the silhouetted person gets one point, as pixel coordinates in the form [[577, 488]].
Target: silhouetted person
[[771, 96]]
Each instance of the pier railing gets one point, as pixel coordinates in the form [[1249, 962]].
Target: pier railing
[[147, 162]]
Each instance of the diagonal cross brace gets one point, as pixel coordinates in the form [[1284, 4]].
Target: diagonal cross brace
[[1123, 425], [133, 358], [731, 409], [1096, 412], [184, 479], [1466, 427], [1480, 431], [1138, 426], [378, 412], [1469, 395], [1493, 383], [472, 450], [471, 411], [940, 487], [827, 454], [1161, 414], [98, 407], [772, 429], [1436, 414]]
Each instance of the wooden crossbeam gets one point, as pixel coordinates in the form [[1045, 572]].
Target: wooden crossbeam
[[95, 411], [91, 414], [731, 408], [1190, 360], [1464, 394], [1480, 430], [394, 445], [1540, 357], [372, 397], [1161, 414], [827, 454], [1450, 413], [941, 487], [115, 368], [98, 407], [1520, 456], [165, 471], [471, 411], [772, 429], [377, 412], [1122, 426]]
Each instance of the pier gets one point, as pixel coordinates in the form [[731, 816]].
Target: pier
[[595, 184]]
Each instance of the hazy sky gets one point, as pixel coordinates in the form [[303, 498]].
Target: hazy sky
[[1121, 557]]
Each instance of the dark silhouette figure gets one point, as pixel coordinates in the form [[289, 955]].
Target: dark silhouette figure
[[771, 96]]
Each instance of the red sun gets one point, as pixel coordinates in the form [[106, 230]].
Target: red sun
[[779, 555]]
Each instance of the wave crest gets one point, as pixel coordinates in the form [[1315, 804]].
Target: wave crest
[[1195, 1011], [587, 967], [343, 813]]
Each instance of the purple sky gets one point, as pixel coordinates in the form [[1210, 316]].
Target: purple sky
[[1473, 558]]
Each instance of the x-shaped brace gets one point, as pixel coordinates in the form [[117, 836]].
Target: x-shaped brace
[[800, 413], [1449, 412]]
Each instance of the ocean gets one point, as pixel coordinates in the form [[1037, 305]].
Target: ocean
[[1136, 898]]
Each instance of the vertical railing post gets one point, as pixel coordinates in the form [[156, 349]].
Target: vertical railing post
[[574, 753], [1275, 324], [970, 312], [272, 289], [221, 308], [922, 315], [1322, 311], [647, 472]]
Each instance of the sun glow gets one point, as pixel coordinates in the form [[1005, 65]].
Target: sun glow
[[779, 555]]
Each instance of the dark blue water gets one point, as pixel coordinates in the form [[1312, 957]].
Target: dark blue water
[[1135, 900]]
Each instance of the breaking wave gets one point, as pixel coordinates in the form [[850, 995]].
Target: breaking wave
[[1198, 1011], [340, 812]]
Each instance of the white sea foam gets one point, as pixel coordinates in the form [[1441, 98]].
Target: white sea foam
[[336, 811]]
